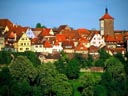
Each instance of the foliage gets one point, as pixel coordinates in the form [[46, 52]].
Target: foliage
[[87, 82], [114, 78], [103, 54], [99, 63], [30, 55], [73, 69], [5, 57], [90, 60], [38, 25], [52, 82]]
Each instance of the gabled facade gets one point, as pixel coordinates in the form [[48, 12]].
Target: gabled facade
[[97, 40], [24, 43], [81, 49], [30, 33], [84, 41], [47, 47]]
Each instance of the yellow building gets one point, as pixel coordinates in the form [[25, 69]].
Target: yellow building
[[23, 44]]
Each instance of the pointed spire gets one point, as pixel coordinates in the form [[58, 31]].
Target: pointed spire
[[106, 10]]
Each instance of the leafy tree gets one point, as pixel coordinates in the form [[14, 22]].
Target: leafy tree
[[52, 82], [99, 90], [103, 54], [114, 79], [120, 57], [38, 25], [73, 69], [21, 68], [87, 82], [33, 58], [99, 63], [6, 82], [90, 60], [82, 61], [5, 57]]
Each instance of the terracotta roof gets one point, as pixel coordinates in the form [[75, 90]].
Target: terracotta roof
[[34, 40], [119, 37], [110, 38], [46, 32], [47, 44], [11, 35], [117, 50], [106, 15], [56, 43], [83, 40], [5, 22], [81, 47], [83, 31], [62, 27], [60, 37]]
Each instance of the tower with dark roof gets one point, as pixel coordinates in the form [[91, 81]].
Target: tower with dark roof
[[106, 24]]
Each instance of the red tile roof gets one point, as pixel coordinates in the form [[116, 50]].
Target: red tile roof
[[5, 22], [34, 40], [56, 43], [11, 35], [60, 37], [110, 38], [119, 38], [83, 40], [106, 16], [81, 47], [46, 32], [83, 31], [47, 44]]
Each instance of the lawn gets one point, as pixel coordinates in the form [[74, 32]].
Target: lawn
[[76, 83]]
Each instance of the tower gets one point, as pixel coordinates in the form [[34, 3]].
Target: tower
[[106, 24]]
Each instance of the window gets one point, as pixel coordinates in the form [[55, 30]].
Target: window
[[27, 49], [21, 44], [21, 48], [36, 46], [24, 43], [22, 38], [94, 42]]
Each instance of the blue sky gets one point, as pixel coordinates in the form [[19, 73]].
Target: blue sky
[[75, 13]]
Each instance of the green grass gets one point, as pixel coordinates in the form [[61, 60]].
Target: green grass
[[76, 83]]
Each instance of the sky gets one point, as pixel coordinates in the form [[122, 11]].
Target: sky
[[74, 13]]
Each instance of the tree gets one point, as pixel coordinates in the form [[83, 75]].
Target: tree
[[100, 90], [38, 25], [52, 82], [99, 63], [103, 54], [90, 60], [73, 69], [87, 82], [5, 57], [6, 82], [21, 68], [114, 78]]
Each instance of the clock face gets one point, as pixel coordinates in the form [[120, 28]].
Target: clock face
[[102, 23]]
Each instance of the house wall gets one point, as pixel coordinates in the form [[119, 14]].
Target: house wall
[[97, 40], [24, 43], [2, 43]]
